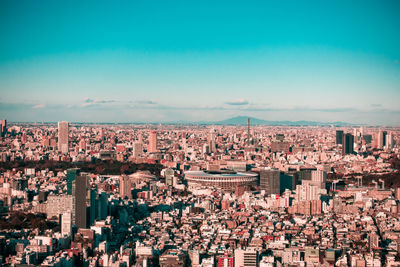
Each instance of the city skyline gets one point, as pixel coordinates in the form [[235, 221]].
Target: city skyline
[[138, 62]]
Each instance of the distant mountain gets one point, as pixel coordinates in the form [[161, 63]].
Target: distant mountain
[[242, 120]]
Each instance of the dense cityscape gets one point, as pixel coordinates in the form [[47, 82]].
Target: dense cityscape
[[199, 133], [199, 195]]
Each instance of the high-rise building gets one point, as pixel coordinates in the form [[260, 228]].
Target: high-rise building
[[3, 128], [125, 187], [373, 241], [270, 181], [137, 149], [248, 132], [63, 136], [71, 176], [57, 205], [169, 177], [246, 257], [381, 139], [288, 181], [66, 223], [211, 141], [339, 137], [80, 201], [91, 210], [367, 138], [152, 142], [306, 192], [384, 133], [389, 141], [348, 144], [102, 206], [318, 178]]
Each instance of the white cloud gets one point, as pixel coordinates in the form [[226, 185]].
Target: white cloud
[[239, 102], [39, 106]]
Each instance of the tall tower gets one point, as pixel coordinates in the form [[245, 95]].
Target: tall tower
[[348, 144], [211, 141], [379, 142], [137, 149], [66, 223], [3, 129], [63, 137], [389, 141], [152, 142], [384, 138], [71, 177], [248, 132], [339, 137], [125, 187], [80, 201]]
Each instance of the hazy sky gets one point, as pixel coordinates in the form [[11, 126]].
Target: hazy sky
[[160, 61]]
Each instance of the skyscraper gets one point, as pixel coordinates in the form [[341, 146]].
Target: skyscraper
[[91, 210], [270, 181], [152, 142], [80, 201], [248, 132], [389, 141], [381, 142], [137, 149], [102, 206], [319, 178], [66, 223], [348, 144], [63, 136], [384, 138], [125, 187], [3, 128], [211, 141], [339, 137], [288, 181], [71, 177]]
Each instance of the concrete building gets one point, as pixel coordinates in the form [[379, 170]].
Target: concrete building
[[348, 144], [66, 223], [125, 187], [152, 142], [247, 257], [57, 205], [137, 150], [63, 131], [81, 218], [270, 181], [339, 137]]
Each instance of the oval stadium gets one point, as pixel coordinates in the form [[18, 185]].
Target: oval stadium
[[227, 180]]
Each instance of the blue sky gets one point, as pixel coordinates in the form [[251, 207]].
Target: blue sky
[[161, 61]]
